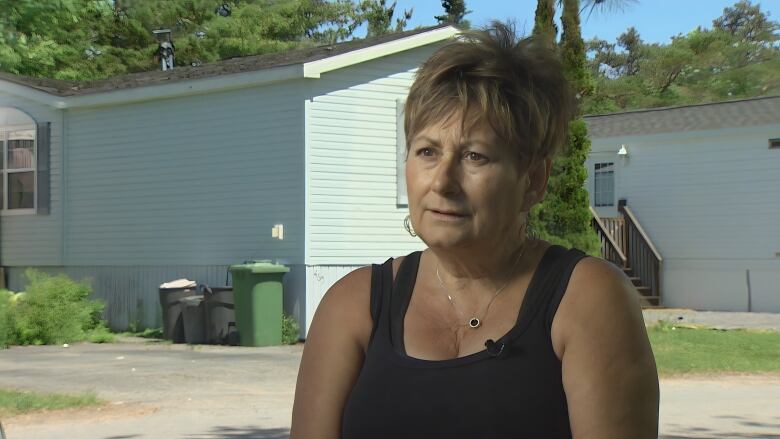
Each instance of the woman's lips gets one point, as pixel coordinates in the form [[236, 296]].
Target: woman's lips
[[450, 215]]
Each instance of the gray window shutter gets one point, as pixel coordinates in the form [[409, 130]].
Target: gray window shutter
[[43, 167], [400, 146]]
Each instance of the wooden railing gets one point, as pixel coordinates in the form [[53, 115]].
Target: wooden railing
[[610, 249], [626, 244], [643, 258], [616, 227]]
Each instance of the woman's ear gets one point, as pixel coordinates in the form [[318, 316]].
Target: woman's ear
[[537, 176]]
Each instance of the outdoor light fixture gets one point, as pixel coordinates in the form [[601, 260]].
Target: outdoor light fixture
[[623, 152]]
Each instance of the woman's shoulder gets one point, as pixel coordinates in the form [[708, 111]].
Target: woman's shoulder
[[597, 292], [349, 301]]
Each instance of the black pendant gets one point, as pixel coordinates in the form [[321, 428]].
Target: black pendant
[[474, 322]]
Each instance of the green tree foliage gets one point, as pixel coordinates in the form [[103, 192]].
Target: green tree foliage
[[738, 57], [454, 12], [544, 22], [564, 215], [93, 39], [379, 17], [572, 49]]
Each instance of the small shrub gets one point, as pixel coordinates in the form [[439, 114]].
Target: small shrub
[[290, 329], [7, 325], [101, 334], [55, 310]]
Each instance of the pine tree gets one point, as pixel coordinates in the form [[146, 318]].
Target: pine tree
[[564, 216], [544, 23], [454, 13]]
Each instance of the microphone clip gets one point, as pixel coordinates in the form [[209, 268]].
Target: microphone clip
[[494, 349]]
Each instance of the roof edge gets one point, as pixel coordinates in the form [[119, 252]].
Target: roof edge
[[314, 69], [25, 91], [185, 87], [674, 107]]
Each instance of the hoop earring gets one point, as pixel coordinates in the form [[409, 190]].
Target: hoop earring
[[408, 227], [531, 233]]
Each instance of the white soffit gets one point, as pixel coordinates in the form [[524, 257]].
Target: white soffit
[[315, 68]]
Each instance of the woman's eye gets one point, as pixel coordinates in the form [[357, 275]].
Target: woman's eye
[[475, 156], [425, 152]]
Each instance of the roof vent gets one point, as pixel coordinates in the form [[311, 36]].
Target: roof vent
[[774, 143], [165, 49]]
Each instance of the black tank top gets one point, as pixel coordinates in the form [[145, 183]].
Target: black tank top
[[514, 390]]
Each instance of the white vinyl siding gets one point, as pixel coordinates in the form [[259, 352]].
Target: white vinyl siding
[[354, 202], [27, 238], [193, 180], [709, 202]]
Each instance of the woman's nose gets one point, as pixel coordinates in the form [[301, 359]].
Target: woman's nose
[[445, 180]]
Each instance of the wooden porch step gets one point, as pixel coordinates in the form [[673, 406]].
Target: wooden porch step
[[650, 301], [636, 281]]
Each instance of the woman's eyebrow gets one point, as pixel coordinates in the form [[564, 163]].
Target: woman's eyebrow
[[476, 141], [426, 139]]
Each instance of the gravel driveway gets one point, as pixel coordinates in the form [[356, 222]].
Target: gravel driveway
[[716, 319], [178, 391]]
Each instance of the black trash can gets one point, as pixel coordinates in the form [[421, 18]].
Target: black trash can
[[220, 315], [173, 325], [194, 317]]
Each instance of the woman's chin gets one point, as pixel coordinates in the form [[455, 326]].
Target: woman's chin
[[446, 239]]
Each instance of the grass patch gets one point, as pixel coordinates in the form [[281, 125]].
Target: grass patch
[[13, 402], [101, 334], [687, 349], [154, 333]]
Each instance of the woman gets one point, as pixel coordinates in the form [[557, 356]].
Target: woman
[[488, 333]]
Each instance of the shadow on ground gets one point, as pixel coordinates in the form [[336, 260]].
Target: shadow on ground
[[703, 432], [245, 432]]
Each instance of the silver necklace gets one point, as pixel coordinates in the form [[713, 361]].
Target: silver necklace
[[475, 322]]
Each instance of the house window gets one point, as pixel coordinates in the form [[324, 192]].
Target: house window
[[24, 163], [774, 143], [604, 184], [18, 170]]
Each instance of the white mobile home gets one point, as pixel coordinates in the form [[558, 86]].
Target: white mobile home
[[140, 179], [703, 182]]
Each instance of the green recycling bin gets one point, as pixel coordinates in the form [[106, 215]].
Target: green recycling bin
[[257, 291]]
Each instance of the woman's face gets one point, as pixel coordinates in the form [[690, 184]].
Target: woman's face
[[465, 189]]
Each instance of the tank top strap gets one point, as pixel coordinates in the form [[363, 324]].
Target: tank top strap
[[543, 289], [379, 292], [558, 283], [401, 294]]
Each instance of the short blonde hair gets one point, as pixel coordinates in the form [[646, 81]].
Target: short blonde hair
[[516, 85]]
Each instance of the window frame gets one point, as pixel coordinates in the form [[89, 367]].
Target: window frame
[[596, 172], [5, 131], [401, 194]]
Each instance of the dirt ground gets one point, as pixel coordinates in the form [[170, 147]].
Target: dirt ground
[[177, 391]]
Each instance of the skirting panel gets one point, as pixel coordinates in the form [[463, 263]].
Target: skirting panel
[[131, 292]]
